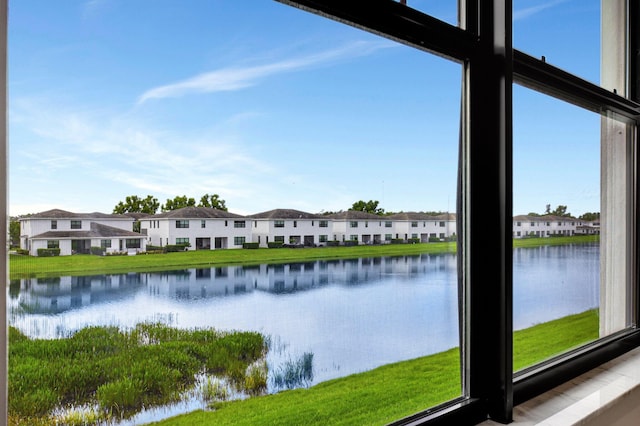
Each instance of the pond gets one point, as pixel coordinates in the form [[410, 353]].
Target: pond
[[351, 315]]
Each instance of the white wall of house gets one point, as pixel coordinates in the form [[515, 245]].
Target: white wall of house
[[227, 232], [291, 231]]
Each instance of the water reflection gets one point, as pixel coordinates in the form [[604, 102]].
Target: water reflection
[[60, 294]]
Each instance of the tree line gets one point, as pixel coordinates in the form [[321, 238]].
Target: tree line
[[150, 204]]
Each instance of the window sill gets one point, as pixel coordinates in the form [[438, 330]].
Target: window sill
[[607, 395]]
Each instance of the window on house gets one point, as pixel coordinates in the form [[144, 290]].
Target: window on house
[[295, 223], [105, 244], [76, 224], [182, 241], [353, 237], [278, 223], [387, 224], [442, 224], [54, 224], [323, 223], [53, 244], [323, 238], [133, 243], [414, 224], [353, 224], [238, 241], [278, 238], [182, 223], [388, 237], [203, 223], [238, 223]]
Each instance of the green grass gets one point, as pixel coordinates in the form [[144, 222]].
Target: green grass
[[393, 391], [40, 267], [121, 371]]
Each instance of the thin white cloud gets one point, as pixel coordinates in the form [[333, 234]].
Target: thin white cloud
[[533, 10], [237, 78]]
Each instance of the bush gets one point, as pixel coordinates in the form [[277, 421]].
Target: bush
[[397, 241], [275, 244], [414, 240], [250, 245], [22, 251], [172, 248], [48, 252], [155, 249], [351, 243], [333, 243], [98, 251], [434, 239]]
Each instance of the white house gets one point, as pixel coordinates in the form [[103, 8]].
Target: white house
[[199, 228], [288, 226], [361, 227], [78, 232], [423, 226], [547, 226]]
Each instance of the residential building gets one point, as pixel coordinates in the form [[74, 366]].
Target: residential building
[[78, 232], [289, 227], [197, 228], [359, 227]]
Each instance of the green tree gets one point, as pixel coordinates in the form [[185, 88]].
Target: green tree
[[560, 211], [178, 202], [213, 201], [14, 232], [589, 216], [370, 206], [135, 204]]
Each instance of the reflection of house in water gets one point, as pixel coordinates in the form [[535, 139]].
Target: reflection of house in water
[[59, 294], [55, 295]]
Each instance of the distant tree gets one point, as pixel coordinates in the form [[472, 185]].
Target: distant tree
[[213, 201], [548, 209], [534, 214], [135, 204], [14, 232], [178, 202], [589, 216], [367, 206], [560, 211]]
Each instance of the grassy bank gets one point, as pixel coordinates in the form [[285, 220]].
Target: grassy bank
[[40, 267], [392, 391]]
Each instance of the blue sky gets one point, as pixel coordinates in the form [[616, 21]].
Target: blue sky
[[271, 107]]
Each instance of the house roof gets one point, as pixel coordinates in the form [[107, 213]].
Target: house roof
[[196, 213], [355, 214], [544, 218], [63, 214], [96, 230], [285, 214]]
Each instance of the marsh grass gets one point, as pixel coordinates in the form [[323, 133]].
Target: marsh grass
[[294, 374], [120, 372]]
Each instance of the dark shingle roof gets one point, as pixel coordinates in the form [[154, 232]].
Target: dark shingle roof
[[63, 214], [97, 230], [285, 214], [354, 214], [197, 213]]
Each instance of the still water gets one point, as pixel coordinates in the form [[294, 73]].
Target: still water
[[352, 315]]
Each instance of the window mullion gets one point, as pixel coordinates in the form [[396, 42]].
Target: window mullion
[[487, 186]]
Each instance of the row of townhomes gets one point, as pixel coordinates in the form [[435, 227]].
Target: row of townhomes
[[201, 228]]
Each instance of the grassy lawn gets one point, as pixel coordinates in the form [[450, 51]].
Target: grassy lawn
[[39, 267], [392, 391]]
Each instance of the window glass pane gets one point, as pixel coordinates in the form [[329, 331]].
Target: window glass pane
[[566, 33], [571, 270], [446, 11], [272, 108]]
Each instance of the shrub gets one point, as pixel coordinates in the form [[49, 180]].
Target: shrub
[[22, 251], [333, 243], [275, 244], [250, 245], [98, 251], [397, 241], [434, 239], [172, 248], [48, 252], [155, 249], [414, 240], [351, 243]]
